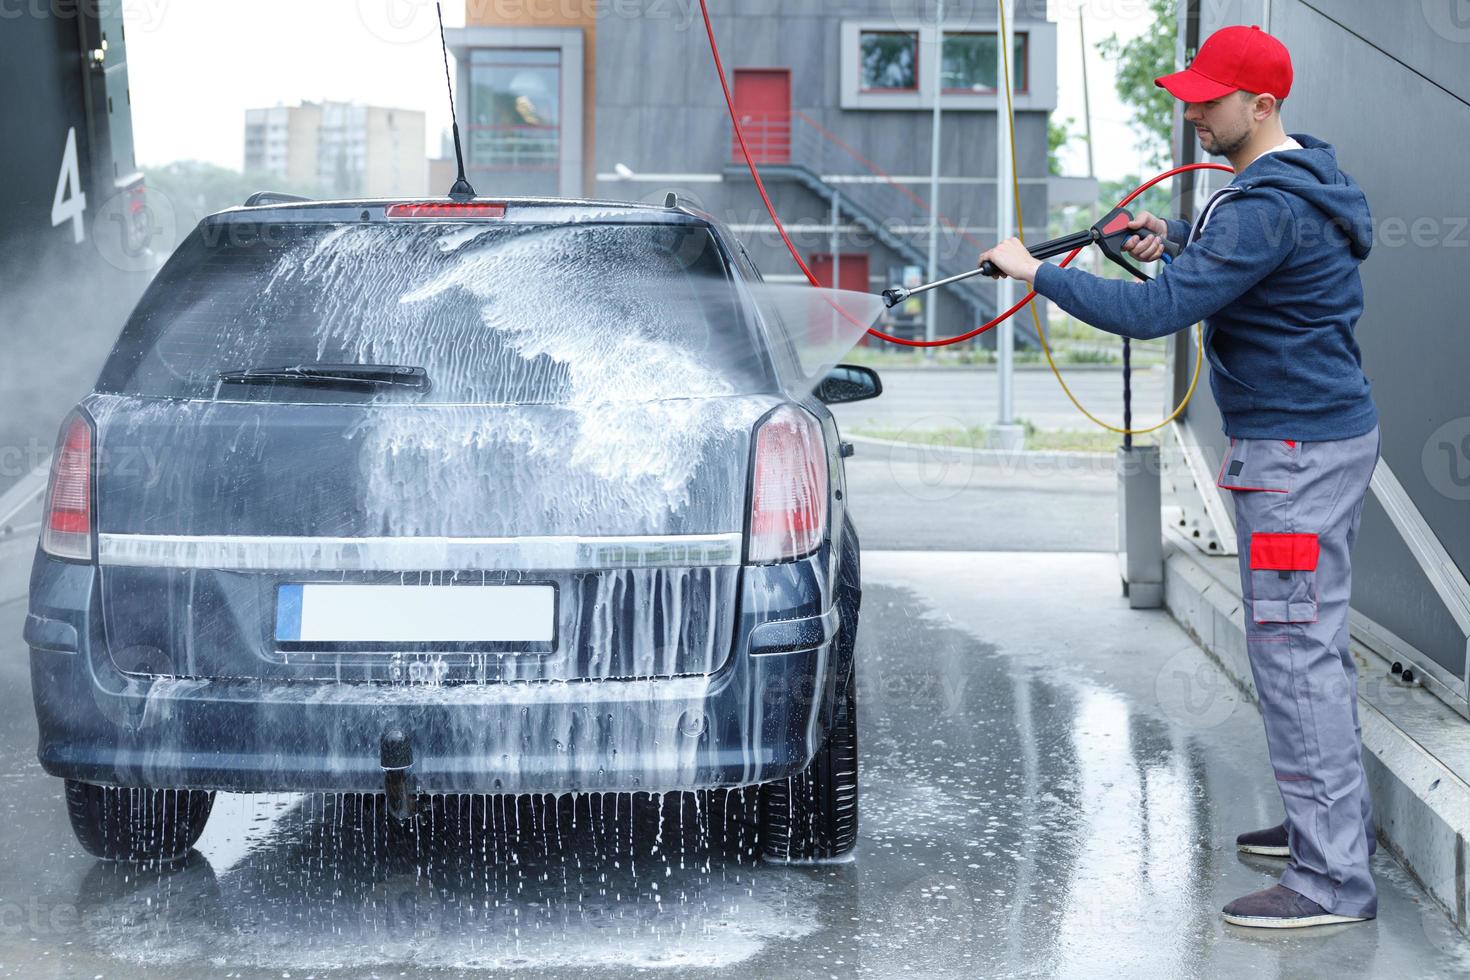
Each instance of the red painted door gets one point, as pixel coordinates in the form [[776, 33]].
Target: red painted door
[[763, 105], [852, 268]]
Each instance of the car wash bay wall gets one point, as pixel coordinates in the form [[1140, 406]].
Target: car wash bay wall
[[71, 260]]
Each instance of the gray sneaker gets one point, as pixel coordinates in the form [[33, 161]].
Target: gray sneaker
[[1270, 842], [1278, 907]]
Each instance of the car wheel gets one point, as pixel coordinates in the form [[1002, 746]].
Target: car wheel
[[814, 815], [119, 823]]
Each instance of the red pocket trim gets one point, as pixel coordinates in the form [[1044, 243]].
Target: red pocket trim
[[1284, 552]]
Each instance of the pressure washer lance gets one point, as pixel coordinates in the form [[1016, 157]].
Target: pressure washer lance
[[1108, 234]]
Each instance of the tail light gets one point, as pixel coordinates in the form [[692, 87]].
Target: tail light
[[66, 531], [788, 500], [446, 209]]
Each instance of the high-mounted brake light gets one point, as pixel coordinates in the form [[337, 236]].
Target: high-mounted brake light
[[788, 500], [447, 209], [66, 531]]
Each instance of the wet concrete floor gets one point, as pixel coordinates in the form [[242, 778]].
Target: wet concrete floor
[[1050, 787]]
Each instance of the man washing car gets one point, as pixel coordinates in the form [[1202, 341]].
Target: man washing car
[[1271, 266]]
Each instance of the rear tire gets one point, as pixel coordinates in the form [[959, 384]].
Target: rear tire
[[813, 815], [120, 823]]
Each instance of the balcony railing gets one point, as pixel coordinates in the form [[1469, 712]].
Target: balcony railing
[[903, 208], [515, 148]]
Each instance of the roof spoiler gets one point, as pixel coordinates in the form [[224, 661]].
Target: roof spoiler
[[273, 197]]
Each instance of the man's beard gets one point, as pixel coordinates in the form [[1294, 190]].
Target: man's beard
[[1223, 148]]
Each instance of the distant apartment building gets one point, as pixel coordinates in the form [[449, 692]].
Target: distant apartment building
[[836, 102], [340, 149]]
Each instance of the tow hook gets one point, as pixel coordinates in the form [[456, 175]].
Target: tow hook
[[395, 755]]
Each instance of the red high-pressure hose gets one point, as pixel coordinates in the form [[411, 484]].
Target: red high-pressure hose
[[791, 247]]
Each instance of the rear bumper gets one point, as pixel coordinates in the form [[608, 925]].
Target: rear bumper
[[759, 718]]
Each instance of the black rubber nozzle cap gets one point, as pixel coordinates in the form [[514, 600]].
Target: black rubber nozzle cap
[[395, 751], [892, 297]]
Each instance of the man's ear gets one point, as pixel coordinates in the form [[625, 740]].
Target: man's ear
[[1264, 105]]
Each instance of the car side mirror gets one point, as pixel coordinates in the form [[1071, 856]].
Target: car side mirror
[[849, 383]]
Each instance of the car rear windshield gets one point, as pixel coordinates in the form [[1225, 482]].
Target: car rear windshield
[[495, 313]]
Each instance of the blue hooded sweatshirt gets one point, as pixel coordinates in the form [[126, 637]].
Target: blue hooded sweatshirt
[[1274, 275]]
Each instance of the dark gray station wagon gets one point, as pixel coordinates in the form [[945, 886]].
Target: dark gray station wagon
[[413, 498]]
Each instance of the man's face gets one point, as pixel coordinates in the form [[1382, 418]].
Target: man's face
[[1224, 125]]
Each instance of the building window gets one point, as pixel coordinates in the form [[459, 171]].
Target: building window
[[515, 118], [969, 62], [890, 61], [889, 65]]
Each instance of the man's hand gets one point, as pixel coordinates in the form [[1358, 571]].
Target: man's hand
[[1148, 246], [1012, 259]]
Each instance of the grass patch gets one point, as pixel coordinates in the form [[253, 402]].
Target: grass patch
[[1040, 440], [963, 356]]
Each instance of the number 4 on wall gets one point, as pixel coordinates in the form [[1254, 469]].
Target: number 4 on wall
[[70, 201]]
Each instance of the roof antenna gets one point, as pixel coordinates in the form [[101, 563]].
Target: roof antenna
[[461, 191]]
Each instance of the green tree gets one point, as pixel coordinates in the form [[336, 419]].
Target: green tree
[[1139, 61], [1156, 199], [195, 188], [1058, 135]]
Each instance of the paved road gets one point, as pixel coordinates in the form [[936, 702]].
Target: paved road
[[924, 400], [947, 501], [1050, 782]]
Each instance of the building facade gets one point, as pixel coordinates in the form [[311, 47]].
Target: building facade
[[836, 102], [341, 149]]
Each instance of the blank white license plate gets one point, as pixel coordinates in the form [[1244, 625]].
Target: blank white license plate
[[478, 615]]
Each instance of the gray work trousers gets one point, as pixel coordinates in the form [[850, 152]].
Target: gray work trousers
[[1297, 510]]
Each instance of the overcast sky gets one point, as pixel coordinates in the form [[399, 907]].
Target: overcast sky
[[195, 66]]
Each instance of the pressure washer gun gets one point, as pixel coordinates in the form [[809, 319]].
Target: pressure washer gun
[[1108, 234]]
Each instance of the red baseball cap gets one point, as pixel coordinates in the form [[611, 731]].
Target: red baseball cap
[[1233, 59]]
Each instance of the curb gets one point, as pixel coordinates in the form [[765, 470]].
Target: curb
[[1018, 368], [985, 455], [1421, 805]]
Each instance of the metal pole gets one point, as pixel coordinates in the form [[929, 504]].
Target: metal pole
[[931, 304], [1127, 394], [1006, 340], [1093, 257], [836, 262], [836, 265]]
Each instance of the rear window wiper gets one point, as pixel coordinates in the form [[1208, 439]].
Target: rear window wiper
[[333, 375]]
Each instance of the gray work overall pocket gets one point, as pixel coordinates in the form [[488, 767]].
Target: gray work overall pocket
[[1264, 465], [1284, 577]]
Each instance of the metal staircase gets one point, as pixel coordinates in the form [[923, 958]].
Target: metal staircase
[[795, 148]]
